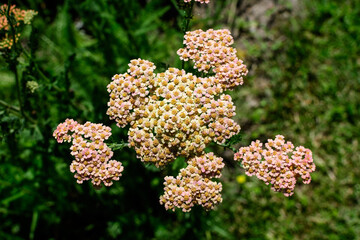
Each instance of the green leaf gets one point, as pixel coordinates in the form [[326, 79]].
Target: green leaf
[[233, 140]]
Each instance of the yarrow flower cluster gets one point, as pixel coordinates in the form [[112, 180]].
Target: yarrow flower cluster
[[171, 114], [20, 16], [92, 155], [200, 1], [193, 185], [212, 51], [279, 164], [175, 113]]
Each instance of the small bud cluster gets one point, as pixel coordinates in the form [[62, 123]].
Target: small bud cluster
[[92, 155], [193, 185], [279, 164], [200, 1], [19, 15], [173, 113], [32, 86], [211, 50]]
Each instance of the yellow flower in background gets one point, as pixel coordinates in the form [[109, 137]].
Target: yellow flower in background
[[241, 179]]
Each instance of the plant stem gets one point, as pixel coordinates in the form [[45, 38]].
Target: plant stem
[[186, 23], [17, 111], [13, 67], [11, 107], [34, 221], [13, 60], [118, 146], [11, 25], [188, 17]]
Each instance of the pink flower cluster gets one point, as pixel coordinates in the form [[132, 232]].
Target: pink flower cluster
[[200, 1], [211, 51], [193, 185], [171, 114], [92, 155], [279, 164]]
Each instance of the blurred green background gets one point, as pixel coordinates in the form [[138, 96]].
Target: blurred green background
[[304, 83]]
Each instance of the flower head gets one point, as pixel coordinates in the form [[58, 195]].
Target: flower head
[[278, 164], [193, 186], [211, 51], [92, 156]]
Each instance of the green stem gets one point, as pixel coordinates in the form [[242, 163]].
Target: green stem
[[34, 221], [13, 65], [16, 111], [118, 146], [13, 60], [11, 25], [186, 23], [11, 107], [188, 17]]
